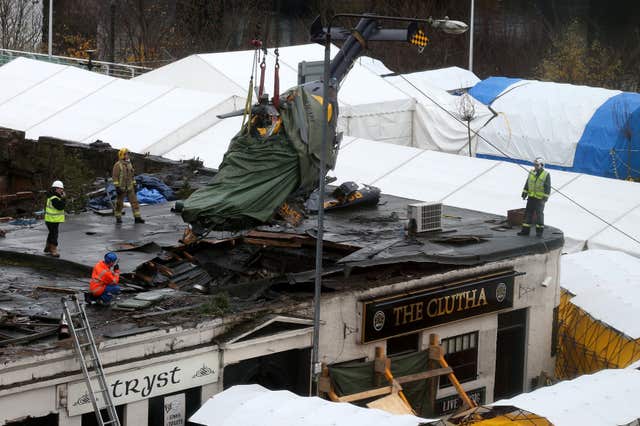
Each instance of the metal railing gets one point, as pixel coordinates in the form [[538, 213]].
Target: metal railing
[[109, 68]]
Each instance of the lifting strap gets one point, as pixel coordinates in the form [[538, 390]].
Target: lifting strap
[[263, 66], [247, 106], [276, 81]]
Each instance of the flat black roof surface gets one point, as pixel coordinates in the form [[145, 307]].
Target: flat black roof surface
[[374, 236]]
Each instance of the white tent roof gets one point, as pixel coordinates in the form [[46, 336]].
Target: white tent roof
[[606, 285], [449, 79], [535, 124], [606, 398], [69, 103], [369, 106], [210, 145], [436, 122], [253, 405], [374, 65]]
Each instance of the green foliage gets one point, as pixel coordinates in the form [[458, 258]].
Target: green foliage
[[77, 179], [217, 305], [571, 59], [186, 190]]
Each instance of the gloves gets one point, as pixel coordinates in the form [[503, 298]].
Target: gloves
[[524, 195], [116, 268], [119, 191]]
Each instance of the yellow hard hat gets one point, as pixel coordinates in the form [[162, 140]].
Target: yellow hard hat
[[122, 153]]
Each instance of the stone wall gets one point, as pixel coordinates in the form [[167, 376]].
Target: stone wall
[[27, 165]]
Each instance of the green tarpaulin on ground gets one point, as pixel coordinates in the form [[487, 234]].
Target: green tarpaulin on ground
[[359, 377], [257, 175]]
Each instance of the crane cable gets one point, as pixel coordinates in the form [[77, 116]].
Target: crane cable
[[520, 165], [276, 81], [254, 66]]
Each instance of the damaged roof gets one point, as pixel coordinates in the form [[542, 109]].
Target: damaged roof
[[269, 269]]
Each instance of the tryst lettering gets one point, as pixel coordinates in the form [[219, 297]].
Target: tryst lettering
[[145, 385]]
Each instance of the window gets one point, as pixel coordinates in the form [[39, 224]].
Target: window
[[403, 344], [461, 353]]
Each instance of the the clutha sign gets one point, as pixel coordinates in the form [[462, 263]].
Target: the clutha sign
[[409, 312]]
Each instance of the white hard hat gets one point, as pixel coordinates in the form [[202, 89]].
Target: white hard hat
[[57, 184], [539, 160]]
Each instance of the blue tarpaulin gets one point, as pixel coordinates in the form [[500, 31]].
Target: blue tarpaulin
[[610, 144], [488, 90], [575, 128], [151, 190], [152, 182], [150, 196]]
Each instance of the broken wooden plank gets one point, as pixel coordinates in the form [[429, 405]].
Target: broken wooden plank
[[188, 256], [272, 242], [391, 404], [55, 289], [277, 235], [366, 394], [130, 332], [161, 268], [167, 312], [424, 375], [29, 337]]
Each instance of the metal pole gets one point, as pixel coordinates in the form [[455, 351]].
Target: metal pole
[[50, 27], [315, 366], [112, 31], [471, 19]]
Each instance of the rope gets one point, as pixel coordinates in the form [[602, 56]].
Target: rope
[[263, 66], [616, 155], [249, 102], [520, 165]]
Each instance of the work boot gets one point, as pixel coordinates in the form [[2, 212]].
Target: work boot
[[47, 248], [87, 298], [525, 232], [539, 232], [53, 250], [138, 220], [118, 220]]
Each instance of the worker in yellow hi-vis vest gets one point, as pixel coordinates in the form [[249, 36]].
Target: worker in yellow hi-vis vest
[[537, 188], [124, 181], [54, 216]]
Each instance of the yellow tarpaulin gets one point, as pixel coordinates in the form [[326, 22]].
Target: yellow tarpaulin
[[587, 345]]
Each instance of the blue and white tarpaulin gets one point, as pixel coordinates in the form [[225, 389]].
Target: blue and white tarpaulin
[[576, 128]]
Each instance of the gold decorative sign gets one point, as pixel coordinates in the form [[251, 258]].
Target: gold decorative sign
[[406, 313]]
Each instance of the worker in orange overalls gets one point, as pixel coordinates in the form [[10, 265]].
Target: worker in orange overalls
[[104, 280]]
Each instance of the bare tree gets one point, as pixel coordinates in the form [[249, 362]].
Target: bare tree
[[467, 112], [20, 24]]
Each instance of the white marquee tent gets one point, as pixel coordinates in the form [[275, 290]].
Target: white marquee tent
[[412, 109], [606, 284], [369, 106], [65, 102], [436, 122], [254, 405], [605, 398]]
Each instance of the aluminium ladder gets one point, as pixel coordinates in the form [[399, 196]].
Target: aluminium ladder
[[90, 362]]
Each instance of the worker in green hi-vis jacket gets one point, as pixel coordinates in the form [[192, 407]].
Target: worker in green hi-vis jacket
[[537, 187]]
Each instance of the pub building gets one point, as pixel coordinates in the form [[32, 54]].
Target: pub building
[[489, 295]]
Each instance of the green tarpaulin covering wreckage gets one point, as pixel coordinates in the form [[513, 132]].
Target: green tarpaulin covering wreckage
[[258, 174]]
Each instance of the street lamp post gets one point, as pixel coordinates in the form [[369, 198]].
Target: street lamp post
[[50, 27], [471, 19], [329, 83]]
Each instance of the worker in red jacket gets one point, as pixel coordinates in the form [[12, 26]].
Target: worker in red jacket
[[104, 280]]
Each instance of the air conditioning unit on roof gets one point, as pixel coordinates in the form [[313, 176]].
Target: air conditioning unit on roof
[[428, 216]]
